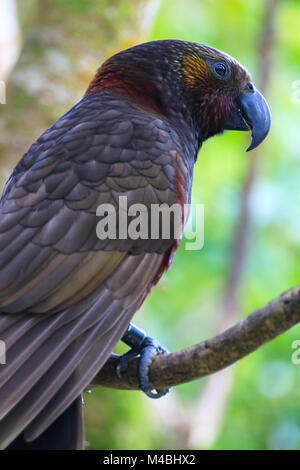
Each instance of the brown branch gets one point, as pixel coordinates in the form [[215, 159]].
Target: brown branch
[[215, 354]]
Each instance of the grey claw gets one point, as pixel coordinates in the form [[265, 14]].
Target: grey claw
[[146, 348]]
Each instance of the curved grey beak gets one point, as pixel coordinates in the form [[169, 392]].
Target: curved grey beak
[[254, 113]]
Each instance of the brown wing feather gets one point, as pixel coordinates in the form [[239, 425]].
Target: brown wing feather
[[77, 349], [68, 296]]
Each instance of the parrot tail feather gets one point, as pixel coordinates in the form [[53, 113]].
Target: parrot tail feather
[[66, 433]]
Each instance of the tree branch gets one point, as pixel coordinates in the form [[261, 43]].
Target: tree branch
[[215, 354]]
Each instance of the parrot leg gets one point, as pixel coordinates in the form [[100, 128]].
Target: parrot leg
[[146, 348]]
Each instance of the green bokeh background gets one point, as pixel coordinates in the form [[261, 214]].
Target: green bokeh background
[[63, 44]]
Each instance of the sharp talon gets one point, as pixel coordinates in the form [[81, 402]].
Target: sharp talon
[[124, 361], [150, 349], [146, 348]]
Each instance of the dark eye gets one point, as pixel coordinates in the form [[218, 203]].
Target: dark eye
[[220, 69]]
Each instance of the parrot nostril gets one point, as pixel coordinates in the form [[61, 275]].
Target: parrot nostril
[[250, 87]]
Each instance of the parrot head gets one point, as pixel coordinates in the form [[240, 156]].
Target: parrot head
[[209, 88], [222, 90]]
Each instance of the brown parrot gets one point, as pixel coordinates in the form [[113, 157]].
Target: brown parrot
[[67, 296]]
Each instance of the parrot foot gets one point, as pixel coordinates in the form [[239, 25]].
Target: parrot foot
[[146, 348]]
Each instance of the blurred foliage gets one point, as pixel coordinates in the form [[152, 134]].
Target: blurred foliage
[[64, 42]]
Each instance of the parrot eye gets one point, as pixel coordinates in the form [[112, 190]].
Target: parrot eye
[[220, 70]]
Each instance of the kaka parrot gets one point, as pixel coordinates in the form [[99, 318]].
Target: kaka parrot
[[67, 296]]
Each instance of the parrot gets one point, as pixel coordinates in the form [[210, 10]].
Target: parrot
[[67, 296]]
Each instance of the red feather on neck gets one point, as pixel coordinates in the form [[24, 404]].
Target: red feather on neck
[[129, 81]]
